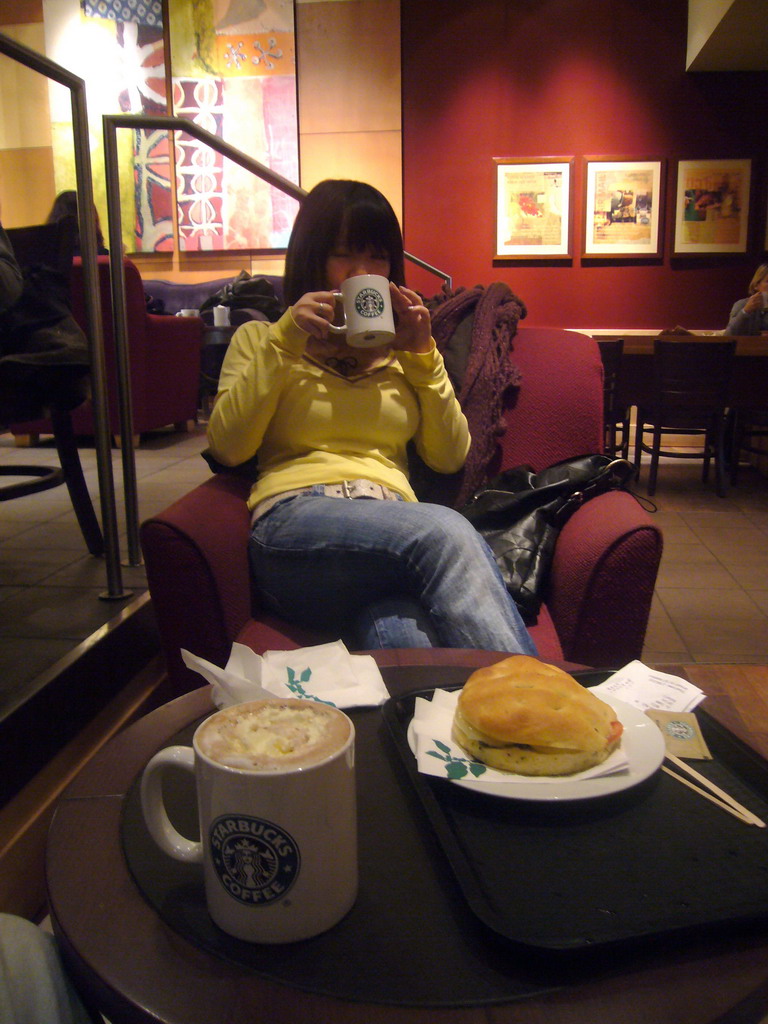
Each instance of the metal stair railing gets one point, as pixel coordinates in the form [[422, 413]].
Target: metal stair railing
[[103, 441]]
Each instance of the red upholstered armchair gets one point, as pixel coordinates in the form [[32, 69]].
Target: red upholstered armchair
[[605, 563], [164, 354]]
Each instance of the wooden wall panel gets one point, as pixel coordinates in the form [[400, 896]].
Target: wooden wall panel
[[24, 111], [349, 66], [349, 93], [26, 159], [20, 12], [26, 186], [366, 156]]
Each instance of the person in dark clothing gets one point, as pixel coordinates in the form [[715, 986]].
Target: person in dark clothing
[[750, 315], [11, 280], [65, 205]]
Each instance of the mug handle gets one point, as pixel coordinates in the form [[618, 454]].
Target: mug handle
[[155, 814], [334, 328]]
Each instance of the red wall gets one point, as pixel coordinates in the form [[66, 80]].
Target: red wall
[[514, 78]]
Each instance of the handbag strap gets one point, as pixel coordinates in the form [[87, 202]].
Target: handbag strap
[[614, 476]]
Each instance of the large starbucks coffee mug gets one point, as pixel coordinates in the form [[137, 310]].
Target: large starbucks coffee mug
[[276, 802], [368, 318]]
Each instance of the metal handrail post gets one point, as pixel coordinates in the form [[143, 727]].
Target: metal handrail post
[[170, 123], [76, 86], [432, 270], [120, 322]]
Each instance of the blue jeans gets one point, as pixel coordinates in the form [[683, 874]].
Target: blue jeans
[[384, 574], [33, 983]]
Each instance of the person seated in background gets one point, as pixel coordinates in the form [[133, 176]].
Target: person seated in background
[[65, 205], [750, 315], [331, 423], [11, 280]]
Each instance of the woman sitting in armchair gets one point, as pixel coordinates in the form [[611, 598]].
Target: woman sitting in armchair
[[339, 540]]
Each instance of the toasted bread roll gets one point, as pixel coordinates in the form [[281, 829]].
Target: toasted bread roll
[[521, 715]]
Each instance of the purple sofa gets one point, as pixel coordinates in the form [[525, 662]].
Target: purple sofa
[[172, 296]]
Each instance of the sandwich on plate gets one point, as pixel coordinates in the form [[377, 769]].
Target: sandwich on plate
[[524, 716]]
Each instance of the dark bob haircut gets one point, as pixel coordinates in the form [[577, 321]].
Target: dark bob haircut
[[349, 213], [65, 205]]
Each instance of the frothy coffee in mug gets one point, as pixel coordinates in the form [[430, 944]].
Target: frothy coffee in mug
[[273, 735], [276, 806]]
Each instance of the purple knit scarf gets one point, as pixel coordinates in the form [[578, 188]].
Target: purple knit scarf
[[487, 379]]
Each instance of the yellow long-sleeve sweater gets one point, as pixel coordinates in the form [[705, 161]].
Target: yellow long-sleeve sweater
[[310, 425]]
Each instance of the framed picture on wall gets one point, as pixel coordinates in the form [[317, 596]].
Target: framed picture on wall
[[623, 205], [533, 208], [712, 207]]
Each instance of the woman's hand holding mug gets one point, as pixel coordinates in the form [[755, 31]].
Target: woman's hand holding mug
[[314, 312], [755, 302], [414, 327], [376, 312]]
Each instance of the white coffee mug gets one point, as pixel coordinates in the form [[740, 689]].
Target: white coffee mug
[[221, 316], [277, 809], [188, 312], [368, 318]]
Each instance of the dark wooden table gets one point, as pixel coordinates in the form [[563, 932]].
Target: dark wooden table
[[137, 969]]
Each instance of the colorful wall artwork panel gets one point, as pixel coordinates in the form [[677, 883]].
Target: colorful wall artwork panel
[[234, 73], [117, 48], [145, 93], [232, 65]]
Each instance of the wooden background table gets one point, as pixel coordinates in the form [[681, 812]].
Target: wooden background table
[[138, 970]]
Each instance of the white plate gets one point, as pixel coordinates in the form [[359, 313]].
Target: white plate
[[643, 745]]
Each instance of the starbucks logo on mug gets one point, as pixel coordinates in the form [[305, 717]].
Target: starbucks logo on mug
[[369, 303], [256, 861]]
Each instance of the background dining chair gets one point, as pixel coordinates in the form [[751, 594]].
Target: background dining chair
[[615, 415], [44, 253], [690, 394]]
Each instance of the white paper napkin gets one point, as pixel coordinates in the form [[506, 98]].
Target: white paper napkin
[[643, 688], [327, 673], [437, 754]]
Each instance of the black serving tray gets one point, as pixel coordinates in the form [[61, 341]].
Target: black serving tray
[[409, 940], [653, 860]]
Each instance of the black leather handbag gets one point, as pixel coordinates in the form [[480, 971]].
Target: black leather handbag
[[520, 513], [253, 297]]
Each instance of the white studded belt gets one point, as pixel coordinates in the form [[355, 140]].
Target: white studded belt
[[345, 489]]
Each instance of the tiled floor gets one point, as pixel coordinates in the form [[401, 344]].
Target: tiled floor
[[50, 586], [711, 603], [711, 600]]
